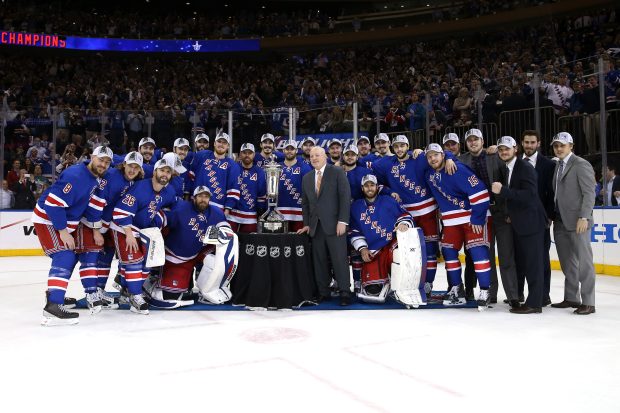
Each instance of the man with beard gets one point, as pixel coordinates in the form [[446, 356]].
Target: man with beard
[[306, 144], [150, 155], [180, 181], [201, 143], [334, 150], [363, 147], [187, 224], [112, 187], [252, 187], [56, 219], [374, 220], [140, 208], [219, 173], [382, 145], [267, 153], [289, 192], [544, 167], [405, 175], [527, 218], [464, 204]]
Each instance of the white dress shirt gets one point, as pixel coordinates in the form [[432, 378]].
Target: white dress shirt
[[511, 166], [532, 158]]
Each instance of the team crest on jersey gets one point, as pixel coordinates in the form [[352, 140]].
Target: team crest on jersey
[[300, 250], [261, 250], [274, 252], [249, 249], [287, 251], [473, 181], [67, 188]]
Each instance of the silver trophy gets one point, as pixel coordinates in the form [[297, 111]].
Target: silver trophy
[[272, 221]]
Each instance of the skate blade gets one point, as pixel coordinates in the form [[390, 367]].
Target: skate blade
[[116, 286], [482, 308], [94, 310], [137, 311], [451, 303], [54, 321]]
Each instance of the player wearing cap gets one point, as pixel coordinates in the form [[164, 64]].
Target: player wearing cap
[[201, 143], [115, 183], [374, 221], [189, 224], [219, 173], [405, 175], [140, 208], [464, 205], [267, 153], [306, 144], [289, 191], [451, 143], [382, 145], [334, 152], [56, 218], [150, 154], [526, 217], [363, 146], [180, 181], [252, 188], [574, 183]]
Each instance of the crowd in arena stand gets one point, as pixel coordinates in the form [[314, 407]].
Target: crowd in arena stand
[[84, 19], [121, 95]]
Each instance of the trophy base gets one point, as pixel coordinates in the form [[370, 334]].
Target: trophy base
[[266, 227]]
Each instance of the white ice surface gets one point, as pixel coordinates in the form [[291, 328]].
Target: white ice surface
[[454, 360]]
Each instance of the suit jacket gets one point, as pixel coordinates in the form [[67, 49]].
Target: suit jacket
[[331, 205], [526, 213], [615, 187], [575, 191], [495, 169], [544, 169]]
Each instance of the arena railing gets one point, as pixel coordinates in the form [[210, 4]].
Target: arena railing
[[514, 122]]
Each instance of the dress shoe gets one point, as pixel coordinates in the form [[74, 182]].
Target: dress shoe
[[322, 298], [585, 309], [514, 303], [525, 310], [345, 299], [493, 300], [546, 302], [566, 304]]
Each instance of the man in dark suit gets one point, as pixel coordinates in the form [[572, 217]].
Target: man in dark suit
[[528, 220], [530, 140], [489, 168], [611, 193], [326, 204]]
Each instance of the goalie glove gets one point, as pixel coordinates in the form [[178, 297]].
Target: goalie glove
[[218, 235]]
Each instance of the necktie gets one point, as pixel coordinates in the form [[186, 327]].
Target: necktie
[[527, 159], [318, 181], [557, 181]]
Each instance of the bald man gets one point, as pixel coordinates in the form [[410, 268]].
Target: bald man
[[326, 204]]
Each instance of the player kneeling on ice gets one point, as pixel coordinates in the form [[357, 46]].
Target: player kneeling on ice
[[196, 233], [383, 233]]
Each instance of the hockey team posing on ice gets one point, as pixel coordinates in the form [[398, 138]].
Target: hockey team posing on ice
[[166, 217]]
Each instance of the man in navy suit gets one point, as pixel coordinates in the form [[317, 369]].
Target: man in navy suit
[[528, 220], [530, 140]]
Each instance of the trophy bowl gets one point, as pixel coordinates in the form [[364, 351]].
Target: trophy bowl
[[272, 221]]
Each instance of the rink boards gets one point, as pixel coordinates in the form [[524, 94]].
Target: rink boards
[[17, 238]]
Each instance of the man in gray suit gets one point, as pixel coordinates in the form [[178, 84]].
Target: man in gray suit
[[489, 168], [326, 204], [574, 185]]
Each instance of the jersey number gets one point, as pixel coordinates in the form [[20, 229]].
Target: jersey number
[[129, 200], [67, 188]]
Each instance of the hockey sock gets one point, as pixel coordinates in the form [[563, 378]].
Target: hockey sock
[[482, 265], [453, 265], [432, 247], [63, 263], [88, 271], [133, 277], [104, 263], [356, 265]]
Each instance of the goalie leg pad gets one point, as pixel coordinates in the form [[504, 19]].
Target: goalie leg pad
[[217, 272], [153, 242], [409, 268]]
